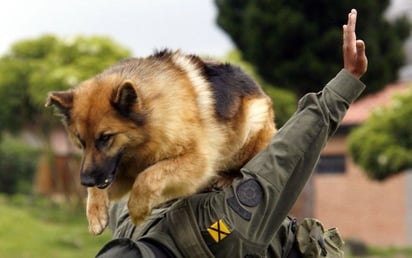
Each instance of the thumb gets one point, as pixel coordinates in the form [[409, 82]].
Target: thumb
[[360, 47], [362, 60]]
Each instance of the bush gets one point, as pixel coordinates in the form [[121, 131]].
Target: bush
[[17, 165]]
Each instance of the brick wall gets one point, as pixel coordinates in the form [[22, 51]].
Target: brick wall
[[370, 211]]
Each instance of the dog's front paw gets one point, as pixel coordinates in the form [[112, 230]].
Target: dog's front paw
[[98, 217], [138, 213]]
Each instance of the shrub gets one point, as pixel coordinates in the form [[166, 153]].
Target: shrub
[[17, 165]]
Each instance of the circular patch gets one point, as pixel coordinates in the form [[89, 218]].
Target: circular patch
[[250, 193]]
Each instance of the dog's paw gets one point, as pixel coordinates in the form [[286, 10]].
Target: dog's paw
[[98, 217], [138, 213]]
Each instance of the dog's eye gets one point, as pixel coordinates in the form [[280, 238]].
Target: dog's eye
[[103, 140], [105, 137]]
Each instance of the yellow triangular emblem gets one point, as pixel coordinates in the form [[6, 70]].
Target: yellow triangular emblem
[[218, 230]]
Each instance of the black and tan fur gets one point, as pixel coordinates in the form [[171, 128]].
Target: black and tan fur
[[162, 127]]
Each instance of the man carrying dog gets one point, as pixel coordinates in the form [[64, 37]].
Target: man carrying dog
[[249, 218]]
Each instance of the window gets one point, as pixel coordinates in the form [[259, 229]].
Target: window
[[331, 164]]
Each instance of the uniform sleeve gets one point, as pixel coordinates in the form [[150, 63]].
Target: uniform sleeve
[[256, 204]]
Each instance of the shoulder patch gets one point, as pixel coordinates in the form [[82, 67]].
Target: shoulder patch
[[249, 193], [242, 212], [218, 230]]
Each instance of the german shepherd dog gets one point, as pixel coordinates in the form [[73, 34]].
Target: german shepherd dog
[[162, 127]]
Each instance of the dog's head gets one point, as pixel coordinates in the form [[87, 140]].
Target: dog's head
[[103, 118]]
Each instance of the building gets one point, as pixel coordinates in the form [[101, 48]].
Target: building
[[376, 213]]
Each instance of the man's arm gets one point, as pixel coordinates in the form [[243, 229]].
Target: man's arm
[[286, 165]]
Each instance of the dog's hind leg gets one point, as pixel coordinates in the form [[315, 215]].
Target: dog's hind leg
[[97, 210]]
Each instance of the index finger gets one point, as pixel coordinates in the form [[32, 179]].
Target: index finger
[[349, 29], [352, 20]]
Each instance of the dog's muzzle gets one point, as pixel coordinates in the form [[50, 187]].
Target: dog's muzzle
[[93, 180], [99, 177]]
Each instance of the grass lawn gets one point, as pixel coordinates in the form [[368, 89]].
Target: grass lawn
[[39, 229]]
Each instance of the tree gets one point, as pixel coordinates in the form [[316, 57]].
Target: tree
[[382, 146], [34, 67], [29, 70], [17, 163], [296, 44]]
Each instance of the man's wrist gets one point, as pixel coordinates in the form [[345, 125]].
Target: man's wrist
[[346, 85]]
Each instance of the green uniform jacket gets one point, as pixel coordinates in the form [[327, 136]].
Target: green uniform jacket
[[243, 220]]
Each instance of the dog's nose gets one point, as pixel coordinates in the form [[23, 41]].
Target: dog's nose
[[87, 179]]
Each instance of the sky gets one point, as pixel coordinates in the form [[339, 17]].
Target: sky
[[140, 25]]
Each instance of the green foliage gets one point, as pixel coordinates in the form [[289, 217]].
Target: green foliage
[[296, 44], [17, 165], [382, 146], [284, 101], [34, 67]]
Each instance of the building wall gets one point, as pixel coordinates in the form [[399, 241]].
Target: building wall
[[370, 211]]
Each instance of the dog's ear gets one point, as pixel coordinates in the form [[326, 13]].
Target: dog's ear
[[125, 97], [62, 100]]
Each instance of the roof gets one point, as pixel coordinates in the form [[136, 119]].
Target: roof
[[360, 110]]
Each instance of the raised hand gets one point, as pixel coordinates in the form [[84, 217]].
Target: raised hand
[[354, 57]]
